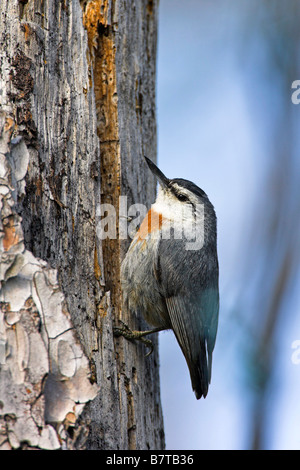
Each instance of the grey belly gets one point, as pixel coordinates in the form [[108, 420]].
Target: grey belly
[[140, 288]]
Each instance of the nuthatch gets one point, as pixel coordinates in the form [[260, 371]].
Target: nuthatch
[[170, 281]]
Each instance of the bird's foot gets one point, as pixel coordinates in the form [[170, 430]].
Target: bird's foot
[[132, 335]]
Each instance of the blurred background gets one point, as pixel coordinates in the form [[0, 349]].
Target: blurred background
[[226, 121]]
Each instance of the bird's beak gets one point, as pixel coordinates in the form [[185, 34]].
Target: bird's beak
[[162, 179]]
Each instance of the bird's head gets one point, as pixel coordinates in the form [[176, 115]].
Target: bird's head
[[176, 194]]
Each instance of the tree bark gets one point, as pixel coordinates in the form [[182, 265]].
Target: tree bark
[[77, 115]]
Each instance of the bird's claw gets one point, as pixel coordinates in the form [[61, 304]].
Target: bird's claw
[[133, 335]]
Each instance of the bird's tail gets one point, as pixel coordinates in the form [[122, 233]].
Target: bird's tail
[[200, 372], [194, 346]]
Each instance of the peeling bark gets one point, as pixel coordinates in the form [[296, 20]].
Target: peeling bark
[[44, 374], [77, 114]]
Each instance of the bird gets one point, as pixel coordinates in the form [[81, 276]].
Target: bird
[[170, 274]]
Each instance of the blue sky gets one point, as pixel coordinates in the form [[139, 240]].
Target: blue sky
[[214, 119]]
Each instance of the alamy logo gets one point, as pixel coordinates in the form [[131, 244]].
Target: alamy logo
[[295, 358], [188, 225], [296, 94]]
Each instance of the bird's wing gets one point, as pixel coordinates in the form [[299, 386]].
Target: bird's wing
[[195, 335], [190, 286]]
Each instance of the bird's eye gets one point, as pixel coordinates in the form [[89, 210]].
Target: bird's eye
[[182, 197]]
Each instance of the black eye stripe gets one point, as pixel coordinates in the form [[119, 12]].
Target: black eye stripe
[[182, 197]]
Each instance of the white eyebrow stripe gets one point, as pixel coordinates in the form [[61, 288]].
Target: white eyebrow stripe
[[191, 196]]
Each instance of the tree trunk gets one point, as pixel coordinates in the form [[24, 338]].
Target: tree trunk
[[77, 115]]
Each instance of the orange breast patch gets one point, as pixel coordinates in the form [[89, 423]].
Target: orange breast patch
[[152, 222]]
